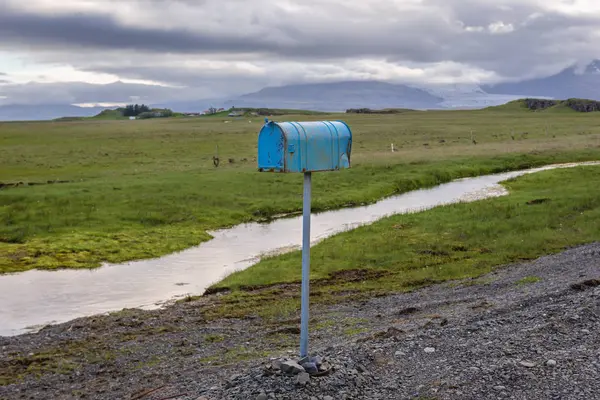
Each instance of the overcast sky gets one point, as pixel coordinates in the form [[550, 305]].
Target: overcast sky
[[61, 50]]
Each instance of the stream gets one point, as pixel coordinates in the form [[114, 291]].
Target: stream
[[33, 299]]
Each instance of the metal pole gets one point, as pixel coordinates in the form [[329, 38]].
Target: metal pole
[[305, 265]]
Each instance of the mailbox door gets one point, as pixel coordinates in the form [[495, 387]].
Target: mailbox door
[[271, 143]]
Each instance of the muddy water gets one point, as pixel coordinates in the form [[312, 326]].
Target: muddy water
[[32, 299]]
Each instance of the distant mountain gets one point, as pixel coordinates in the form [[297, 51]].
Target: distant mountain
[[18, 112], [568, 83], [191, 105], [466, 96], [339, 96]]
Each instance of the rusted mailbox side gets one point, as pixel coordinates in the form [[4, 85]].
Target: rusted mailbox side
[[304, 146]]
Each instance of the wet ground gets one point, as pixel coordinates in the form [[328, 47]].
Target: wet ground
[[32, 299], [525, 331]]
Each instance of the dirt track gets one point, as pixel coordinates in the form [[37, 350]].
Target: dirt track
[[500, 336]]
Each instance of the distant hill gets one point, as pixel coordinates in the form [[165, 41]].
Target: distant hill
[[339, 96], [21, 112], [108, 114], [382, 111], [566, 84], [120, 114], [264, 112], [549, 105]]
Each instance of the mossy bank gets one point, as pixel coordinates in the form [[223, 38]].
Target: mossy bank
[[77, 193]]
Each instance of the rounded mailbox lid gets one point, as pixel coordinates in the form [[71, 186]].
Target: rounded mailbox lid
[[304, 146]]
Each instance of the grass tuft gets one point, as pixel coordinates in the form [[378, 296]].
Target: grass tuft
[[528, 280], [141, 190]]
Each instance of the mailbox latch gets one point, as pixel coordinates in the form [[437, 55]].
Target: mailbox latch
[[291, 148]]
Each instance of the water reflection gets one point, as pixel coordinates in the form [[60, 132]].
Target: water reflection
[[40, 297]]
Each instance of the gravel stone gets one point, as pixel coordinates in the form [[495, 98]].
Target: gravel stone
[[527, 364], [276, 364], [496, 333], [291, 367], [310, 367], [302, 378]]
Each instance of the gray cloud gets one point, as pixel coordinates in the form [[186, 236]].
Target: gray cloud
[[78, 92], [103, 31], [431, 33], [287, 39], [215, 47]]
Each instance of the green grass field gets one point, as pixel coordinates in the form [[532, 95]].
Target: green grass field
[[137, 189], [544, 213]]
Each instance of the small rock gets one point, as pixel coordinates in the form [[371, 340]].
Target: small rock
[[234, 377], [291, 367], [232, 381], [499, 388], [399, 354], [310, 367], [302, 379], [551, 363], [527, 364], [276, 364], [324, 367], [327, 398], [317, 360], [586, 331], [262, 396], [429, 350]]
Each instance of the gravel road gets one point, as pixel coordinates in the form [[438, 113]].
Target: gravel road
[[525, 331]]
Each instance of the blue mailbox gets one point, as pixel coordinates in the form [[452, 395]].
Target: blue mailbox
[[304, 146]]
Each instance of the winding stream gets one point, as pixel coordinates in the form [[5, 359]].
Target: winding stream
[[32, 299]]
